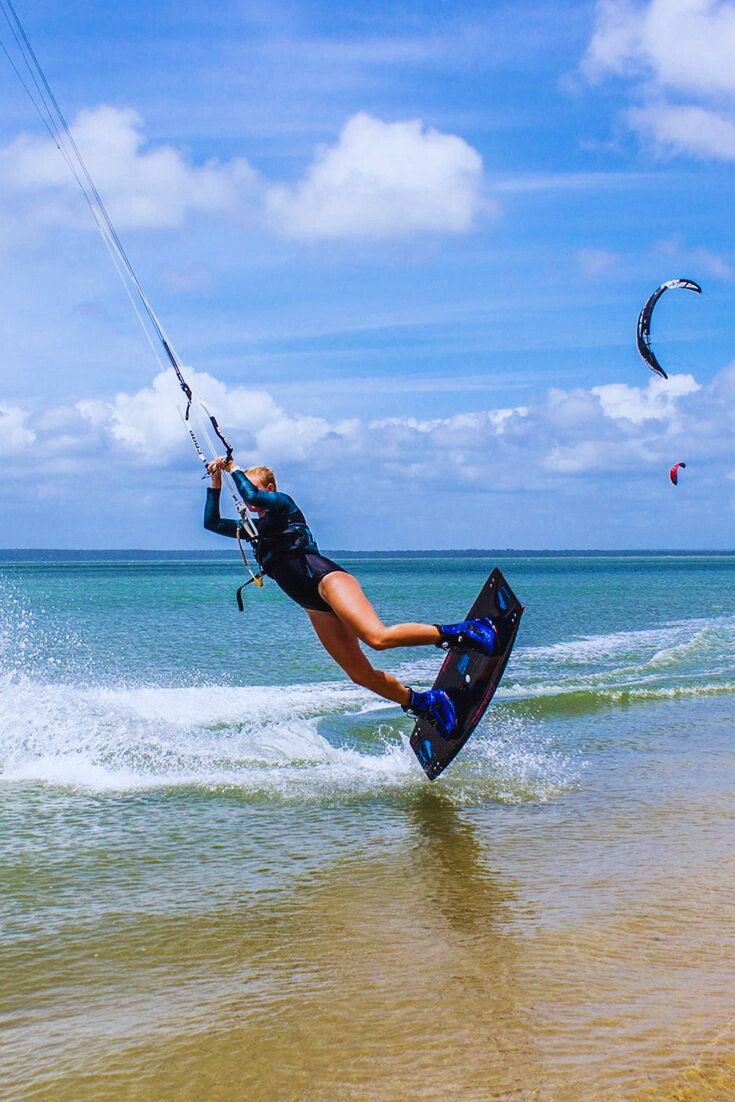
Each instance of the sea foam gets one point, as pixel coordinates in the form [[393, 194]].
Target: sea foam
[[294, 742]]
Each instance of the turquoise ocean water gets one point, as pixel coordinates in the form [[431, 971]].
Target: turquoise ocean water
[[178, 782]]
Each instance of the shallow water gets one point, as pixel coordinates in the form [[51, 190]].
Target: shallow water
[[222, 873]]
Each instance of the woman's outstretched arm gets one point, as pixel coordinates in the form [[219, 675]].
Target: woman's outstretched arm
[[213, 521]]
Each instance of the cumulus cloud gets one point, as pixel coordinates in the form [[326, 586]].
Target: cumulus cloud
[[565, 434], [144, 426], [142, 186], [685, 45], [147, 423], [382, 180], [658, 401], [626, 427], [566, 437], [674, 128], [14, 431], [614, 42], [681, 52], [587, 455], [379, 180]]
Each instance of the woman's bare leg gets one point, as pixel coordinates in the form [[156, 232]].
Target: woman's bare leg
[[343, 645], [344, 595]]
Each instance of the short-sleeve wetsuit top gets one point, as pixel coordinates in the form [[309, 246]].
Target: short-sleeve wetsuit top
[[286, 551]]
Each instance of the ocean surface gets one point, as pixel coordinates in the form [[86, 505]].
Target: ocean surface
[[223, 874]]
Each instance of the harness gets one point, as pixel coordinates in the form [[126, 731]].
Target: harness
[[295, 537]]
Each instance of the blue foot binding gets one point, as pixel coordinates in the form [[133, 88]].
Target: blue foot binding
[[478, 635], [436, 707]]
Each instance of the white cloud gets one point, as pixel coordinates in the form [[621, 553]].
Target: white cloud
[[676, 49], [570, 411], [14, 432], [723, 385], [629, 427], [568, 433], [494, 420], [658, 401], [587, 455], [141, 186], [302, 438], [673, 128], [614, 41], [566, 436], [148, 424], [382, 180], [686, 45]]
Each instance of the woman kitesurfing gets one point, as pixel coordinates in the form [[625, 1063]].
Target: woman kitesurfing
[[340, 613], [284, 546]]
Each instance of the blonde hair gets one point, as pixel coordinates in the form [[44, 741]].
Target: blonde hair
[[263, 475]]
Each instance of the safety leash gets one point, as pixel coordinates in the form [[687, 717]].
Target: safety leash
[[256, 579]]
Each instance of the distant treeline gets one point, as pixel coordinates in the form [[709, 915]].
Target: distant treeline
[[128, 554]]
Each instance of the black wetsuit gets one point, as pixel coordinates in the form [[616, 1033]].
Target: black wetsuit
[[287, 551]]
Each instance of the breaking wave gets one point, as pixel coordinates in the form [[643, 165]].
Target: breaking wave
[[690, 658]]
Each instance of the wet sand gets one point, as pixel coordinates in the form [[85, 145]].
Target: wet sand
[[539, 952]]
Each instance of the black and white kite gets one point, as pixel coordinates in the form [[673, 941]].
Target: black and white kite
[[644, 321]]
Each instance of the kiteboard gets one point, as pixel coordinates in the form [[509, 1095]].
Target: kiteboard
[[470, 678]]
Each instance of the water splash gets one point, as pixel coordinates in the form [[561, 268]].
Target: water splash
[[276, 742]]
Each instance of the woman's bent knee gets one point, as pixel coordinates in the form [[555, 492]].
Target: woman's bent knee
[[377, 640]]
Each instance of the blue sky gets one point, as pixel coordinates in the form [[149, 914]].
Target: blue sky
[[403, 251]]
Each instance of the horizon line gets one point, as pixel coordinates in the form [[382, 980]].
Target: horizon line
[[435, 552]]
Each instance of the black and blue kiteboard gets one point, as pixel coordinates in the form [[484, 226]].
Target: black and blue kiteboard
[[470, 678]]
